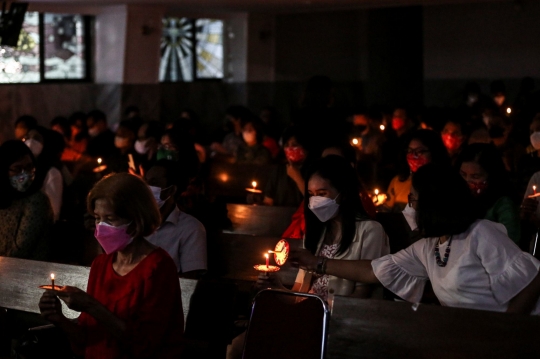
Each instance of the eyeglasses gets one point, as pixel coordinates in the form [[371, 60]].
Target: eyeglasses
[[417, 151], [411, 199]]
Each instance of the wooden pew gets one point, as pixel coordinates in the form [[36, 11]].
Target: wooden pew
[[361, 328], [20, 280], [269, 221]]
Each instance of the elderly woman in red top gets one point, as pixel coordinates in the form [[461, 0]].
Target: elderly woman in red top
[[132, 308]]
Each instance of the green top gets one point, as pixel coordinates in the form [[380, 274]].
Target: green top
[[505, 212]]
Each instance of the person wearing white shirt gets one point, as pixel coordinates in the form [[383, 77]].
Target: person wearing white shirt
[[471, 263], [180, 234]]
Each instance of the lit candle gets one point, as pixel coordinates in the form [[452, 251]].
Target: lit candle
[[355, 141], [254, 184], [99, 160], [267, 260], [534, 189], [376, 192], [52, 280], [508, 110], [382, 127]]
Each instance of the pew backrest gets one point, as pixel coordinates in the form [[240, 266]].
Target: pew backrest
[[20, 280], [270, 221], [362, 328]]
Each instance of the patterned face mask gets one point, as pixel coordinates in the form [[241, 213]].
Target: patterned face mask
[[295, 154], [22, 181]]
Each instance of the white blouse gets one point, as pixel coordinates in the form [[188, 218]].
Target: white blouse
[[485, 269]]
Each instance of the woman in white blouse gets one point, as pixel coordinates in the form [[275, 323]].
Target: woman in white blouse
[[471, 263], [337, 227]]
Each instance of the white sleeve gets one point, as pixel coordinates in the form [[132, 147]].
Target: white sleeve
[[509, 269], [403, 273], [53, 185], [193, 253]]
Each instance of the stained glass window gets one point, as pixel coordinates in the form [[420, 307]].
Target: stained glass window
[[209, 48], [64, 46], [21, 64], [191, 49], [64, 38]]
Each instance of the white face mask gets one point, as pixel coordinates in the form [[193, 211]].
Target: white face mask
[[323, 207], [535, 140], [156, 191], [249, 137], [140, 146], [93, 132], [410, 215], [35, 146]]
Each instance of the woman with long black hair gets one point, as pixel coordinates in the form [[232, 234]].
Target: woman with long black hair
[[337, 227]]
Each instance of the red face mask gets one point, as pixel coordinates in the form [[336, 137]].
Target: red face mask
[[295, 154], [451, 142], [398, 123], [477, 188], [415, 162]]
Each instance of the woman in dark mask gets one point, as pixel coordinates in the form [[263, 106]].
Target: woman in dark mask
[[482, 167], [25, 212]]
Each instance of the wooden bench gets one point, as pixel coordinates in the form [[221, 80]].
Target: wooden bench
[[269, 221], [361, 328], [20, 280]]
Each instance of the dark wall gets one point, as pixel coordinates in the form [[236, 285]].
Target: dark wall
[[395, 56]]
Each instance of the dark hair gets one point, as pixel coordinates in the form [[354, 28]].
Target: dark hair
[[432, 140], [10, 152], [131, 126], [297, 133], [131, 109], [497, 87], [342, 177], [64, 125], [154, 129], [187, 156], [97, 116], [347, 151], [73, 119], [445, 204], [174, 175], [27, 121], [489, 158]]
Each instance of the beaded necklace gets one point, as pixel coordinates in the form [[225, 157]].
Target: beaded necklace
[[442, 263]]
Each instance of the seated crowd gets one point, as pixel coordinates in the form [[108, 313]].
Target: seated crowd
[[460, 185]]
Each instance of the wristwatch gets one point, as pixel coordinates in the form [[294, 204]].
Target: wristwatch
[[321, 266]]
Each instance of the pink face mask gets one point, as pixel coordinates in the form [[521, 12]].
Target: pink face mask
[[415, 162], [295, 154], [112, 238]]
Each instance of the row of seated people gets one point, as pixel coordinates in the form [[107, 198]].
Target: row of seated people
[[132, 299]]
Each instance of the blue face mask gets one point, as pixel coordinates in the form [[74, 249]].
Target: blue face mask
[[22, 181]]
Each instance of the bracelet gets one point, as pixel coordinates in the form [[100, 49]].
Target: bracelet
[[321, 266]]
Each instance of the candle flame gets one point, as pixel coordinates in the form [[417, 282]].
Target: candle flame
[[254, 184], [355, 141], [382, 127], [508, 110], [99, 161], [52, 276], [376, 192], [266, 255], [534, 188]]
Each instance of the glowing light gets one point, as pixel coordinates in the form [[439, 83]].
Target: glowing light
[[355, 141], [254, 184], [534, 189], [376, 192], [99, 160], [52, 276], [224, 177], [382, 127], [508, 110]]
